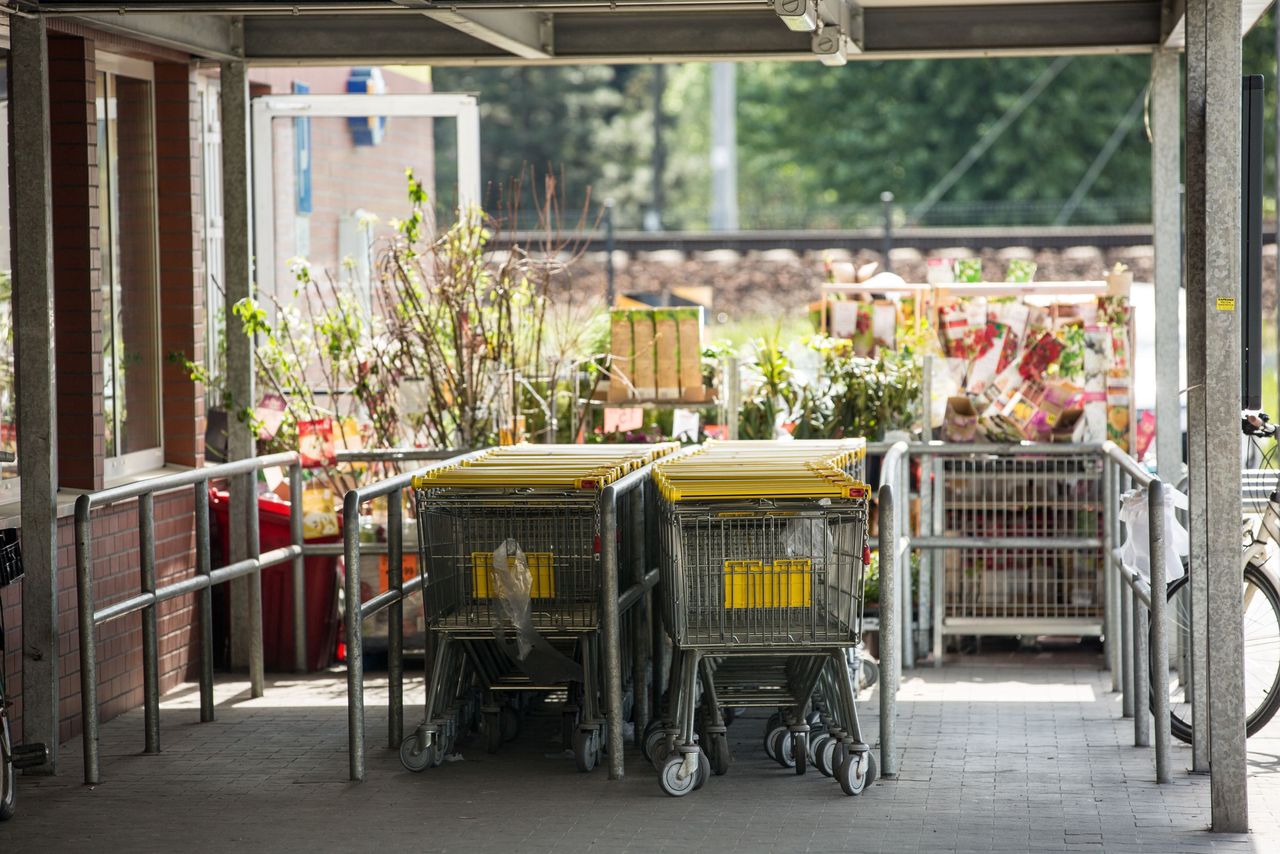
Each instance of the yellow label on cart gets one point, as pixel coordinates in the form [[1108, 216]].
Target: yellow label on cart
[[755, 584], [541, 568]]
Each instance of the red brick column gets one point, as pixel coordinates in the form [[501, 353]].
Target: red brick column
[[182, 275], [73, 136]]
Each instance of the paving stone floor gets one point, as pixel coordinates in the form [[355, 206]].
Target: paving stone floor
[[999, 752]]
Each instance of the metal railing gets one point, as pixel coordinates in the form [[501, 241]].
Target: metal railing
[[392, 599], [893, 520], [1144, 687], [201, 584]]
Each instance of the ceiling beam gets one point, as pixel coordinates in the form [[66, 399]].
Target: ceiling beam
[[629, 37], [208, 36], [528, 35]]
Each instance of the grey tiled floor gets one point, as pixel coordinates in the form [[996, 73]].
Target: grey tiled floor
[[1002, 752]]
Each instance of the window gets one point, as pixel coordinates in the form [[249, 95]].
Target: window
[[8, 377], [127, 239]]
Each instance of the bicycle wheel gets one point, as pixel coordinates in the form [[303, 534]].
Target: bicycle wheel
[[1261, 652]]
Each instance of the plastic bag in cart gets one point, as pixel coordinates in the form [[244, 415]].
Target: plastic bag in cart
[[1136, 548], [514, 587]]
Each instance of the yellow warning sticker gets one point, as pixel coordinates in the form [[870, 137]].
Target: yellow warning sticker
[[1226, 304]]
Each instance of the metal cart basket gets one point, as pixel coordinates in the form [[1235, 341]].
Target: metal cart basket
[[763, 548], [510, 546]]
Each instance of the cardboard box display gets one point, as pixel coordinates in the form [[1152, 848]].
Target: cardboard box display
[[666, 341], [621, 350], [690, 322], [960, 423], [644, 367]]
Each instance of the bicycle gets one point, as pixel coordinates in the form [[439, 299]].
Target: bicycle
[[13, 757], [1261, 599]]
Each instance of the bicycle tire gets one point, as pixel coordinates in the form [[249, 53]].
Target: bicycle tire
[[8, 777], [1266, 710]]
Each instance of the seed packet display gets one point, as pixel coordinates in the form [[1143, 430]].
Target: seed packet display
[[621, 351], [644, 369], [690, 325], [1097, 360], [667, 354]]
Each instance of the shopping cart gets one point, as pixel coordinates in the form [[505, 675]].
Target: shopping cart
[[510, 547], [763, 555]]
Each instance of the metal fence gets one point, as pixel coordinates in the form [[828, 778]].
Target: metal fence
[[149, 595]]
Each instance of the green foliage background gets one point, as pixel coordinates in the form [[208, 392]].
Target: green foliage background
[[817, 145]]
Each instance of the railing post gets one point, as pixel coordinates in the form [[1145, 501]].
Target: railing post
[[1141, 675], [150, 650], [299, 570], [1159, 629], [257, 675], [395, 620], [888, 626], [610, 626], [354, 635], [1110, 615], [204, 601], [88, 640], [1127, 649]]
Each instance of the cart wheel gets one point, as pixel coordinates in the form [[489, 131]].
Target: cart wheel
[[824, 752], [775, 721], [780, 742], [800, 751], [721, 759], [568, 727], [510, 720], [416, 758], [586, 749], [771, 742], [873, 772], [703, 774], [671, 781], [853, 773], [661, 751], [654, 736], [492, 731]]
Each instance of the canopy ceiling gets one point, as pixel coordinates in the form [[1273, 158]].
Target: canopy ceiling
[[494, 32]]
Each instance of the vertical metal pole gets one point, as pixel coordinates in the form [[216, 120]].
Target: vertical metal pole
[[1141, 671], [724, 147], [886, 246], [150, 649], [1111, 614], [395, 620], [1126, 653], [88, 640], [888, 625], [204, 601], [33, 337], [1166, 220], [1213, 290], [732, 395], [639, 554], [299, 568], [237, 276], [1159, 629], [355, 636], [257, 670], [609, 293], [610, 627]]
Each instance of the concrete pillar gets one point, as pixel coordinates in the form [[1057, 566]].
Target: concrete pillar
[[32, 228], [238, 279], [1213, 366]]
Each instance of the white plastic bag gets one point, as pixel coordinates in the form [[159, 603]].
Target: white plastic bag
[[1136, 549], [514, 585]]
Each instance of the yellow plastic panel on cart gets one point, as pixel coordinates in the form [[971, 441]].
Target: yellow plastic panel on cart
[[787, 583], [541, 568]]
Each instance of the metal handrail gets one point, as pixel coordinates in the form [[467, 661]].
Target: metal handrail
[[1141, 699], [150, 595], [893, 482], [356, 612]]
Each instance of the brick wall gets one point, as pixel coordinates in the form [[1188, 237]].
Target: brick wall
[[81, 429]]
